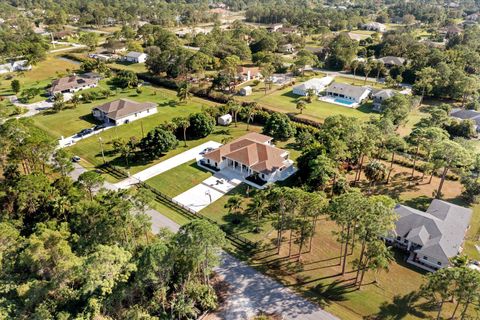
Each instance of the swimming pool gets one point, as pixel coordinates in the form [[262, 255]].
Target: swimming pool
[[344, 101]]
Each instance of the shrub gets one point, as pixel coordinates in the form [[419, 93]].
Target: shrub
[[201, 125]]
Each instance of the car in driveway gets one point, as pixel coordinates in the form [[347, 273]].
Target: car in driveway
[[76, 159], [84, 132], [99, 127], [206, 150]]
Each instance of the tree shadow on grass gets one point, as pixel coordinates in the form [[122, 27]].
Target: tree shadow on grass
[[169, 103], [325, 294], [400, 308], [420, 203]]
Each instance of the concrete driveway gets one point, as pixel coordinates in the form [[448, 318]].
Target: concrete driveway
[[210, 190], [191, 154], [32, 108]]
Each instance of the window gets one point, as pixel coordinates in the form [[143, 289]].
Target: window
[[425, 258], [399, 238], [439, 263], [148, 110], [136, 114]]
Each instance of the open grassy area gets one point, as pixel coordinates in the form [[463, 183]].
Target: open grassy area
[[135, 67], [40, 76], [179, 179]]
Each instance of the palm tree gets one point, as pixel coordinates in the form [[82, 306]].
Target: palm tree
[[184, 123], [301, 105], [354, 66], [234, 109], [310, 94], [183, 92], [258, 208], [375, 171], [234, 203], [251, 110]]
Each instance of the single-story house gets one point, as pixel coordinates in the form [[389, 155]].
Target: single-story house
[[348, 92], [63, 35], [463, 114], [254, 157], [101, 57], [356, 36], [21, 65], [245, 91], [281, 79], [123, 111], [433, 237], [317, 84], [245, 73], [374, 26], [136, 57], [73, 84], [225, 120], [274, 27], [380, 96], [391, 61], [452, 31]]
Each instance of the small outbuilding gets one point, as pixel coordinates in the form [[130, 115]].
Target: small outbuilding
[[245, 91], [225, 120]]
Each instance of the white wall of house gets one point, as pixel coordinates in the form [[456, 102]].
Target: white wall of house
[[135, 116], [140, 59], [76, 89], [359, 99]]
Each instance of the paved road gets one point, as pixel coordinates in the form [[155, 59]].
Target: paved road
[[166, 165], [251, 291]]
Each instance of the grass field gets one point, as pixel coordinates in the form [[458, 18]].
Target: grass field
[[40, 76], [179, 179], [135, 67]]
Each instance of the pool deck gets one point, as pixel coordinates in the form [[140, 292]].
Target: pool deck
[[332, 100]]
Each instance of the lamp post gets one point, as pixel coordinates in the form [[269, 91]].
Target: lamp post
[[101, 146]]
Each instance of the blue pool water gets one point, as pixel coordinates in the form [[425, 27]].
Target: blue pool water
[[344, 101]]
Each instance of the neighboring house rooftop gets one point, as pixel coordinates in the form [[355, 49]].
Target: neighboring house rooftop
[[70, 82], [384, 94], [465, 114], [347, 89], [134, 54], [246, 69], [253, 151], [398, 61], [440, 230], [121, 108], [315, 83]]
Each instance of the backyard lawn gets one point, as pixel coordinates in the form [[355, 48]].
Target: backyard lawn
[[135, 67]]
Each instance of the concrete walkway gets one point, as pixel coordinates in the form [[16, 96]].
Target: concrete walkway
[[186, 156], [208, 191]]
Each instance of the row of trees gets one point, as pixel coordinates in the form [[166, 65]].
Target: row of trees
[[74, 250]]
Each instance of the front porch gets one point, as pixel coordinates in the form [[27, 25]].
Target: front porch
[[412, 259]]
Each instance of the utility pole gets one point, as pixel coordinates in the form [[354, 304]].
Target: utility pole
[[101, 146]]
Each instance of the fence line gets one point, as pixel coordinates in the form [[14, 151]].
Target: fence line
[[190, 213]]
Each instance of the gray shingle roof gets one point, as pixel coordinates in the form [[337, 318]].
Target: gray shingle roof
[[466, 114], [440, 230], [347, 89], [398, 61], [134, 54], [121, 108], [384, 94]]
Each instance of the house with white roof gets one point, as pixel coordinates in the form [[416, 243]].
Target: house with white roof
[[374, 26], [135, 57], [433, 237], [21, 65], [317, 84]]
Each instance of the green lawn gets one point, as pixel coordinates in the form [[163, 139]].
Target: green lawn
[[135, 67], [40, 76], [179, 179]]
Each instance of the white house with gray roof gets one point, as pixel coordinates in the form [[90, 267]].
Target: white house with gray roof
[[316, 84], [433, 237], [136, 57], [464, 114], [344, 91], [380, 96]]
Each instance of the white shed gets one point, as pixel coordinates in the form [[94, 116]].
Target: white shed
[[225, 120], [246, 91]]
